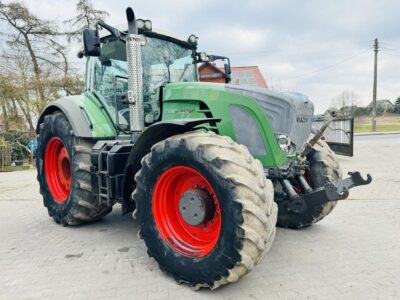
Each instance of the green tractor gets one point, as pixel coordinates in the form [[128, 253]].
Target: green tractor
[[208, 170]]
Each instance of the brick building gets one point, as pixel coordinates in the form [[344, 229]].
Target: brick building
[[246, 75]]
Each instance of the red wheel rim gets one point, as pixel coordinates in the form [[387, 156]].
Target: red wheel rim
[[58, 169], [193, 241]]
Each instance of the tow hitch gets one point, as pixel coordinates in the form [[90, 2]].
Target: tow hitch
[[330, 192]]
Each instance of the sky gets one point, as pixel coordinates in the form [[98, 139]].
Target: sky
[[319, 48]]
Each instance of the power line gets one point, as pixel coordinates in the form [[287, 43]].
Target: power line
[[391, 54], [311, 47], [277, 50], [329, 66], [390, 44], [390, 49]]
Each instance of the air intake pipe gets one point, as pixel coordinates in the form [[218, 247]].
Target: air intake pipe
[[135, 84]]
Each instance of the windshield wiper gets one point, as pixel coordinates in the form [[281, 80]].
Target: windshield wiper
[[183, 72]]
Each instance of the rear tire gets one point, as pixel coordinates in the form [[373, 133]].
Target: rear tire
[[244, 196], [74, 204], [324, 168]]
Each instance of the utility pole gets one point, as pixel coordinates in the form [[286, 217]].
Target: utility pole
[[376, 45]]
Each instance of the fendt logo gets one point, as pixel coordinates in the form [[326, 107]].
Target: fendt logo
[[302, 119]]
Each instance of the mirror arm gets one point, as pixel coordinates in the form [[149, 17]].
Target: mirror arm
[[114, 31], [227, 75]]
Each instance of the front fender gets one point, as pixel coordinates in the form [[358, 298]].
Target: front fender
[[84, 113], [79, 123], [152, 135]]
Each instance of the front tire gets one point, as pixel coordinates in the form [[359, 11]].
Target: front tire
[[63, 166], [240, 226], [324, 168]]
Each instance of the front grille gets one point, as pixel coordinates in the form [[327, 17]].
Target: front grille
[[290, 114]]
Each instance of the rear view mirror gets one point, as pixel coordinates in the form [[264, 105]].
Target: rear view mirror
[[228, 72], [91, 42]]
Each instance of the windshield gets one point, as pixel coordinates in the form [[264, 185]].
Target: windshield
[[162, 62]]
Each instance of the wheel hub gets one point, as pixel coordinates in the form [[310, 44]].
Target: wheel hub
[[196, 207]]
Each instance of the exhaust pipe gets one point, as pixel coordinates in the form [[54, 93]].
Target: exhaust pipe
[[135, 84]]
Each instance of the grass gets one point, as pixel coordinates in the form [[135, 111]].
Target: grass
[[379, 127], [16, 168], [388, 122]]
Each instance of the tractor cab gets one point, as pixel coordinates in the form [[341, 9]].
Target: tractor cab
[[165, 59]]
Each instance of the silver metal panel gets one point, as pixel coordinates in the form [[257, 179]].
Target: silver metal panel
[[135, 84], [338, 131], [290, 114], [339, 134], [246, 131]]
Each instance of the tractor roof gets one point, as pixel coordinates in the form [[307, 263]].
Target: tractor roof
[[155, 32]]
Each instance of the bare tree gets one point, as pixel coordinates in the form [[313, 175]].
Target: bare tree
[[34, 64], [346, 102], [32, 34], [87, 17], [9, 104]]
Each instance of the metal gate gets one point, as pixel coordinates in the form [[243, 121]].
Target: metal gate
[[339, 135]]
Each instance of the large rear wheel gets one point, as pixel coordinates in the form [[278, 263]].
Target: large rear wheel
[[63, 166], [205, 209]]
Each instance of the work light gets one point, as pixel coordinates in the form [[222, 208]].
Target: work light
[[148, 25], [144, 24], [193, 39], [140, 23]]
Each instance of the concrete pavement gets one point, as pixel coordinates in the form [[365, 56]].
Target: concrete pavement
[[352, 254]]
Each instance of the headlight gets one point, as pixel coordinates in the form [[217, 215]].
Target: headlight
[[285, 143], [246, 131]]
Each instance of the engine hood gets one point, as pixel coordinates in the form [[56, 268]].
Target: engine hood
[[290, 114]]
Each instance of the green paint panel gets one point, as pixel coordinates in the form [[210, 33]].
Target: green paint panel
[[183, 100], [102, 125], [195, 100]]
